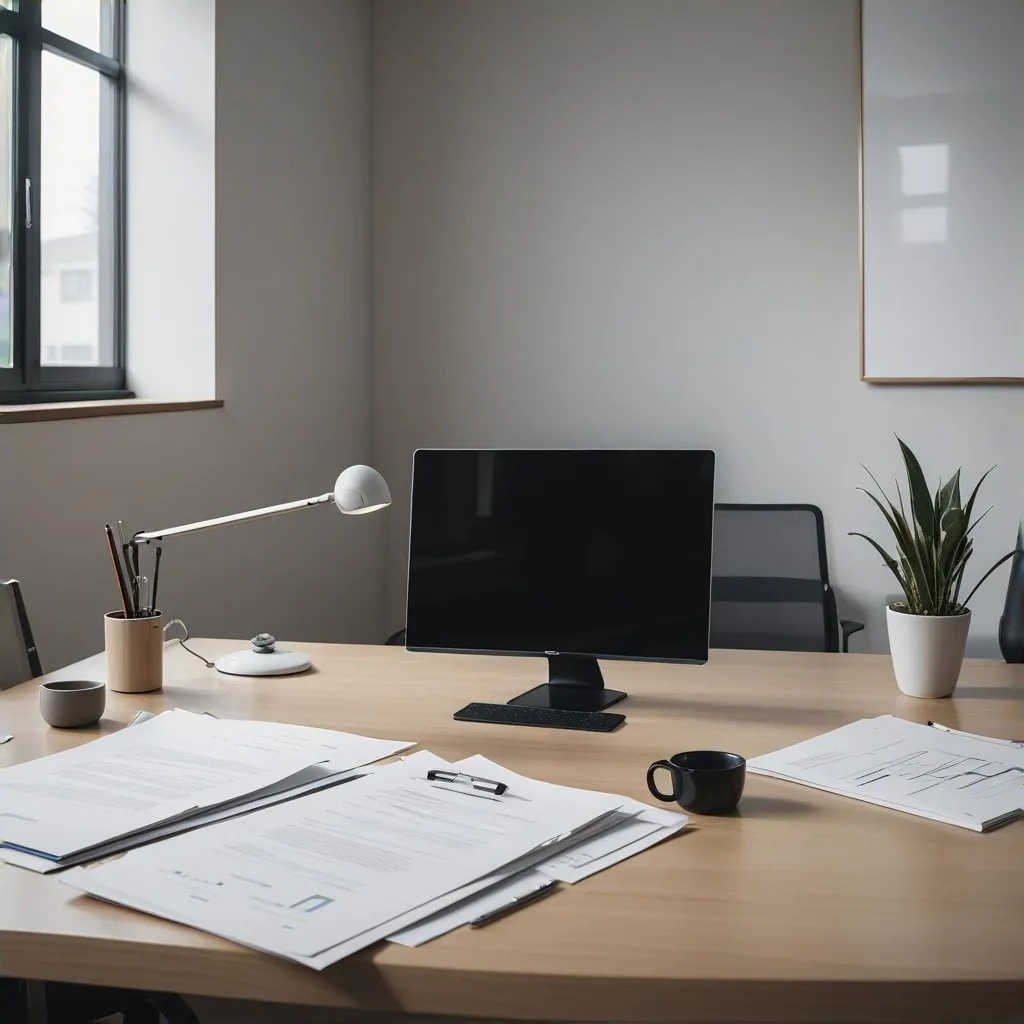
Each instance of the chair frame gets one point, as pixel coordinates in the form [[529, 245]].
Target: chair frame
[[34, 664]]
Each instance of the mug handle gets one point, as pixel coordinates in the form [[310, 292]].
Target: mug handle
[[676, 781]]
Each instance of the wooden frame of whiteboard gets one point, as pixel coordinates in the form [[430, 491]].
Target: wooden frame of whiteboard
[[860, 217]]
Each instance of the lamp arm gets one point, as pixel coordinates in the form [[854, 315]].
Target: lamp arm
[[240, 517]]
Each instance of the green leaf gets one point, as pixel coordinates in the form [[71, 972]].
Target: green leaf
[[920, 501], [955, 526], [948, 496], [892, 517], [969, 507], [899, 494], [909, 545], [890, 563], [910, 549]]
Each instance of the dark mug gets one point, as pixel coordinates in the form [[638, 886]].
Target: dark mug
[[703, 781]]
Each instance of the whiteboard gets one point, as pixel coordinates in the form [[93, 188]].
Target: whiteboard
[[942, 164]]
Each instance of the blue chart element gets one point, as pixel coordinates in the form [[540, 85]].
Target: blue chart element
[[314, 903]]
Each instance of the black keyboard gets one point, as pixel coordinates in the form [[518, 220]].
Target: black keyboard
[[549, 718]]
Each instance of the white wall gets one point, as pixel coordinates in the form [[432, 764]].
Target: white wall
[[172, 182], [602, 222], [293, 366]]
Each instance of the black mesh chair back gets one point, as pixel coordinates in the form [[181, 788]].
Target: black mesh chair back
[[770, 588]]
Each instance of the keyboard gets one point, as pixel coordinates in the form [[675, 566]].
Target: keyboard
[[547, 718]]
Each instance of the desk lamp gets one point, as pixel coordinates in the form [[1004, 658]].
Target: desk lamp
[[359, 489]]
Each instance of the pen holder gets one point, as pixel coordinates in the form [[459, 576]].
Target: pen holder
[[135, 652]]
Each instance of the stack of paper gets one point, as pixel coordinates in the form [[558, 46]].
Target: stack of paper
[[319, 878], [633, 828], [976, 782], [174, 772]]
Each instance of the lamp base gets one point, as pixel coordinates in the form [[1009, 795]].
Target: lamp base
[[263, 663]]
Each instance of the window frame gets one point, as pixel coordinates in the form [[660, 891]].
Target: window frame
[[29, 381]]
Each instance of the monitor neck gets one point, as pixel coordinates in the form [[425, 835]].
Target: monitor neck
[[575, 671]]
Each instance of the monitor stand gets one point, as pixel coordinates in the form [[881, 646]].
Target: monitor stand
[[574, 683]]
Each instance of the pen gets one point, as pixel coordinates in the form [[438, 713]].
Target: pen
[[514, 904], [121, 585], [128, 568], [976, 736], [135, 570], [156, 580], [474, 781]]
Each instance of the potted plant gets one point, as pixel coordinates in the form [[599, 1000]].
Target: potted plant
[[928, 630]]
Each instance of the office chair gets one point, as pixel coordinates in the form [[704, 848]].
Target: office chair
[[770, 589], [19, 659]]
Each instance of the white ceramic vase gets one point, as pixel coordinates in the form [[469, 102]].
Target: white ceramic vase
[[927, 651]]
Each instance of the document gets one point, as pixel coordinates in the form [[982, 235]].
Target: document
[[318, 776], [634, 827], [161, 770], [315, 879], [963, 780]]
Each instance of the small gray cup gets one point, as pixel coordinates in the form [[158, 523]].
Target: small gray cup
[[70, 703]]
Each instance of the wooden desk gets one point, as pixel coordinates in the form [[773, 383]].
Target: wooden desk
[[803, 907]]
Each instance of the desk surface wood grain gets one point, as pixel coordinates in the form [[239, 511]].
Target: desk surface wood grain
[[800, 907]]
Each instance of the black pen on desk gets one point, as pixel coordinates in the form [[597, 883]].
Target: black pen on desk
[[976, 736], [515, 903], [121, 585]]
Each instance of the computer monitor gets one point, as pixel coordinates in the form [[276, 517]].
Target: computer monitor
[[564, 554]]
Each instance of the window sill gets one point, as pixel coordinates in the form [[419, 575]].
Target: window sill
[[86, 410]]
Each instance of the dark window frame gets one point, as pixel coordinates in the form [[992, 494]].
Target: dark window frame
[[29, 381]]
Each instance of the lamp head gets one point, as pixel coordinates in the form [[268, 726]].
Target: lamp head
[[361, 489]]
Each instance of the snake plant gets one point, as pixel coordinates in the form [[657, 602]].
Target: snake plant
[[933, 543]]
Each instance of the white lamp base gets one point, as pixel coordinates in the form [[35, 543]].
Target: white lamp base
[[259, 663]]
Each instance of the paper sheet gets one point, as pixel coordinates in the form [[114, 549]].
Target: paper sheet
[[639, 826], [319, 777], [632, 830], [960, 780], [157, 772], [337, 870]]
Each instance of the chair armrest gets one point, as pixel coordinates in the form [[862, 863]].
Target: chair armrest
[[849, 627]]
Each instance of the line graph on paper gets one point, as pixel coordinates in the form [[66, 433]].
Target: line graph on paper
[[910, 766]]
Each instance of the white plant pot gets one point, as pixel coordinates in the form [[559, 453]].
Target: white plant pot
[[927, 651]]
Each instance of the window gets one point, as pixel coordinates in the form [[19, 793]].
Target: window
[[61, 199], [75, 285]]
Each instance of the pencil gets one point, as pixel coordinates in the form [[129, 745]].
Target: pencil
[[121, 585]]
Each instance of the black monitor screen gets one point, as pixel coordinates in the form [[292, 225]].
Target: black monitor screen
[[600, 553]]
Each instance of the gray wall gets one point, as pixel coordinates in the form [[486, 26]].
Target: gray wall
[[601, 222], [293, 365]]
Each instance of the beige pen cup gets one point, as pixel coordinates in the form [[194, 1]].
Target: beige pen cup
[[135, 652]]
